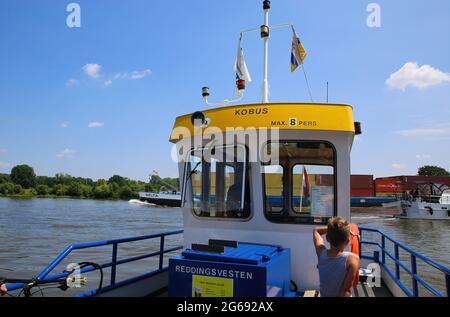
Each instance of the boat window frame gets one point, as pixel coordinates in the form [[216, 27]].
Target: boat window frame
[[246, 186], [334, 186], [309, 220]]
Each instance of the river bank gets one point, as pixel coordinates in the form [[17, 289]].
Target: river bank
[[31, 196], [22, 182]]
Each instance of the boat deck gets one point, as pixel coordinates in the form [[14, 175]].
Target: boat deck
[[364, 290], [361, 290]]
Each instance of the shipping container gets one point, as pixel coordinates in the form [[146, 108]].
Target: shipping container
[[362, 186], [397, 185]]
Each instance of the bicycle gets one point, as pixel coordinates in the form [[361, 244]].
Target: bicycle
[[63, 283]]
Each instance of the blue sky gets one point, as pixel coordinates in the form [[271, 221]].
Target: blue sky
[[101, 99]]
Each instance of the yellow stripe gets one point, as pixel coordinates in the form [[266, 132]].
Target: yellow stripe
[[290, 116]]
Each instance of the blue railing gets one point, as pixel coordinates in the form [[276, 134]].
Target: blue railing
[[44, 275], [412, 270], [381, 246]]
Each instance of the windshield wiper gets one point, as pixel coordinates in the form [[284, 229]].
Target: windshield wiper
[[193, 171]]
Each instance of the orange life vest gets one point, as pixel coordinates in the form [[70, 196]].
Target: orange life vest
[[354, 246]]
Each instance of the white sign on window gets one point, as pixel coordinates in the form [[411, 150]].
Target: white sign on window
[[322, 199]]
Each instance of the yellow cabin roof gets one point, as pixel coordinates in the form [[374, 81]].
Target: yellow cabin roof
[[285, 116]]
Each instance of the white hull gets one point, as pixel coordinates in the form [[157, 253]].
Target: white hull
[[168, 196], [425, 211]]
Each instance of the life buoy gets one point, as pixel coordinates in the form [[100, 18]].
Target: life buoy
[[354, 247]]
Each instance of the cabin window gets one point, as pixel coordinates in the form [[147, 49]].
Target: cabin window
[[273, 180], [217, 179], [300, 188]]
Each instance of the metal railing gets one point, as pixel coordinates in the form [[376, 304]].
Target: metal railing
[[412, 271], [44, 275]]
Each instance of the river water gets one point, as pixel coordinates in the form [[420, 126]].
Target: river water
[[34, 231]]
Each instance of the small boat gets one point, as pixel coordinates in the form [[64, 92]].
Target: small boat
[[430, 201], [169, 199]]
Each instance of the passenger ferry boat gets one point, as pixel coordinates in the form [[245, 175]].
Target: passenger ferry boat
[[236, 241]]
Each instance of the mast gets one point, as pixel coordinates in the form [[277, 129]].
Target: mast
[[265, 37], [265, 34]]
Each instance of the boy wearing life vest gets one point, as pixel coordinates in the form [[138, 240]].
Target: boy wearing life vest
[[337, 268]]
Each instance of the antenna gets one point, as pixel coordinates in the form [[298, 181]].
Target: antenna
[[240, 84], [327, 92], [265, 32]]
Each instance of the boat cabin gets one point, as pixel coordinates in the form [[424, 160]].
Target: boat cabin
[[265, 173]]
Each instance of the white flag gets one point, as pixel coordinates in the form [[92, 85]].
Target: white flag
[[240, 67]]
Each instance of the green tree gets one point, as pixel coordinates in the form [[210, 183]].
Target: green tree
[[432, 171], [23, 175], [127, 193], [42, 190], [45, 180], [87, 191], [101, 182], [64, 179], [102, 191], [119, 180], [4, 178], [7, 188], [17, 189], [114, 188], [60, 190], [75, 190]]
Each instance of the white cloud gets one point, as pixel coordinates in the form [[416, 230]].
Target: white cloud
[[95, 125], [426, 132], [139, 74], [3, 151], [423, 157], [399, 166], [72, 82], [5, 165], [92, 70], [66, 153], [419, 77], [135, 75], [120, 76], [64, 125]]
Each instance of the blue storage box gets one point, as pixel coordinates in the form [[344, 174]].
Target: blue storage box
[[250, 270]]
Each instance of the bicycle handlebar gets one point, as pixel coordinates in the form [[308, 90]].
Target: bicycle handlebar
[[63, 281]]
